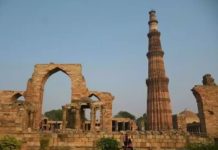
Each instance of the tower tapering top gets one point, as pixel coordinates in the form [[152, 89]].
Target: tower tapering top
[[153, 21]]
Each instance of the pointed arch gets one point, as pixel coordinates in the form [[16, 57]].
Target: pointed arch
[[56, 91], [42, 72], [51, 72], [94, 97], [18, 96]]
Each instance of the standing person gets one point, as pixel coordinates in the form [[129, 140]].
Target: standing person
[[125, 141], [130, 147]]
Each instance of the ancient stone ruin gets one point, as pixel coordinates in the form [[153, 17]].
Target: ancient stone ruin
[[158, 100], [23, 118], [207, 99], [28, 114], [187, 121]]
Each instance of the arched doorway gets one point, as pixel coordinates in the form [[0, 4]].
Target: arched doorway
[[24, 114], [35, 86], [57, 92]]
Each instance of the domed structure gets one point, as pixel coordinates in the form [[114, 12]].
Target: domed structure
[[187, 121], [189, 116]]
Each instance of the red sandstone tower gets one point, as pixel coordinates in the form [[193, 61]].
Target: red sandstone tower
[[158, 101]]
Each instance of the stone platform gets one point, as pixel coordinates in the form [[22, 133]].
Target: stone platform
[[75, 140]]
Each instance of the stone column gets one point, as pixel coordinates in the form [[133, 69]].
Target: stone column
[[100, 117], [64, 117], [82, 114], [93, 118], [116, 126], [123, 128], [128, 125], [78, 119]]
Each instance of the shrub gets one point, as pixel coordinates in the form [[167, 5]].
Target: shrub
[[201, 146], [107, 144], [44, 143], [60, 148], [9, 143]]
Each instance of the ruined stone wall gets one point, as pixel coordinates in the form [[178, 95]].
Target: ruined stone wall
[[13, 113], [35, 86], [207, 100], [28, 114], [9, 97], [87, 141], [184, 118], [106, 112]]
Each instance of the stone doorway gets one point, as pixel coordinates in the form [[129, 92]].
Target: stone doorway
[[42, 72]]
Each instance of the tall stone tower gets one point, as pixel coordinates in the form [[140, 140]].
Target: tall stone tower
[[159, 111]]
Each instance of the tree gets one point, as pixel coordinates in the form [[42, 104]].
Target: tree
[[142, 122], [44, 143], [55, 115], [124, 114], [107, 144], [9, 143]]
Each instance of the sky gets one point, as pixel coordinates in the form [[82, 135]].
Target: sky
[[109, 39]]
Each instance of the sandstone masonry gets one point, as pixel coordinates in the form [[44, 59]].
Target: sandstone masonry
[[207, 99]]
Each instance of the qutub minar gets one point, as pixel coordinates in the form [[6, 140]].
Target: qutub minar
[[159, 110]]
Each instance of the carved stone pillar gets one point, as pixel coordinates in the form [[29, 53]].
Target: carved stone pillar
[[123, 126], [116, 126], [82, 114], [64, 117], [93, 118], [100, 117], [78, 119]]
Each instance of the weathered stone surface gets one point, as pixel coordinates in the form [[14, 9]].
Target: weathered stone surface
[[208, 80], [85, 141], [17, 116], [35, 86], [187, 121], [207, 99], [159, 113]]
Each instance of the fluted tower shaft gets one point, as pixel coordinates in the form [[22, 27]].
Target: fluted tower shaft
[[159, 113]]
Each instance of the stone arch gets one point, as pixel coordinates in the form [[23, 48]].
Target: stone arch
[[200, 106], [16, 96], [105, 105], [42, 72], [45, 88], [51, 72], [94, 97]]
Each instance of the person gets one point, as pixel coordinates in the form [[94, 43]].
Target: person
[[125, 141], [130, 147]]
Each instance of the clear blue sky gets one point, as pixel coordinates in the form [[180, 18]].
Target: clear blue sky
[[109, 38]]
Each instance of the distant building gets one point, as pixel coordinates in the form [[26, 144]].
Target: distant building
[[187, 121], [123, 124], [50, 125]]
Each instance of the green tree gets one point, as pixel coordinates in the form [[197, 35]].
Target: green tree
[[142, 122], [9, 143], [44, 143], [55, 115], [200, 146], [107, 144], [124, 114]]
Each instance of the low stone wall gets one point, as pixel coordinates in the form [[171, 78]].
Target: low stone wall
[[87, 141]]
